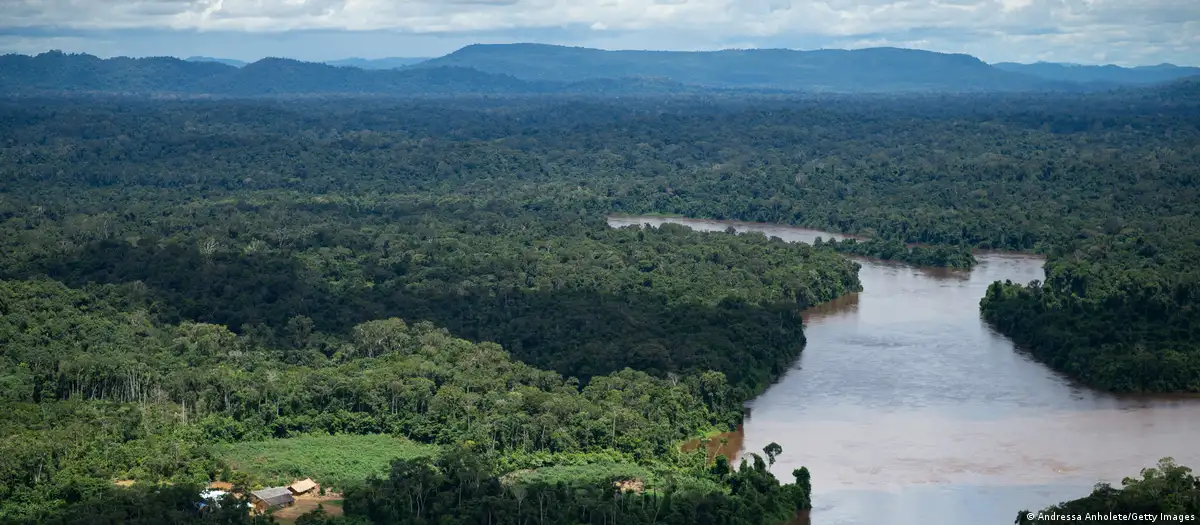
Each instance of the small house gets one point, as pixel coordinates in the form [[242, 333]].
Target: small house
[[302, 487], [273, 497]]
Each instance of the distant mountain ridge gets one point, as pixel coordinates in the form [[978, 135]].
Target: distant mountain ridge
[[360, 63], [377, 63], [60, 72], [1101, 74], [875, 69], [226, 61], [530, 69]]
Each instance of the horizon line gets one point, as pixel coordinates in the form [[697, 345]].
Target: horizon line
[[317, 61]]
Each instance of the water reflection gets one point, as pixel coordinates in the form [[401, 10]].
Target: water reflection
[[908, 409], [846, 305], [946, 274]]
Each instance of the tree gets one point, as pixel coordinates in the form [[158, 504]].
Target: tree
[[772, 451]]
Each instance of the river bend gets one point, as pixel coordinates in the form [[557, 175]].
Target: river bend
[[909, 409]]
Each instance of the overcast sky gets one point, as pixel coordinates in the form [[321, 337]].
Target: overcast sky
[[1126, 32]]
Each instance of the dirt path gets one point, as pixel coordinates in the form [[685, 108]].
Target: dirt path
[[308, 503]]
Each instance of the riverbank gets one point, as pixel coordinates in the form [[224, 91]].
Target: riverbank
[[944, 256], [903, 398]]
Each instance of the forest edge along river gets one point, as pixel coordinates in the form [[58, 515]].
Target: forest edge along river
[[909, 409]]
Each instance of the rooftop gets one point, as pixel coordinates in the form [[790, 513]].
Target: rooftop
[[274, 495]]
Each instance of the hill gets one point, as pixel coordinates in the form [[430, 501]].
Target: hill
[[57, 72], [226, 61], [876, 69], [525, 69], [360, 63], [279, 76], [377, 63], [1108, 74]]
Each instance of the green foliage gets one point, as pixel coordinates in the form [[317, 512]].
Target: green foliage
[[460, 486], [68, 451], [385, 377], [484, 217], [583, 474], [1165, 490], [152, 505], [178, 274], [1118, 311], [558, 295], [144, 405], [332, 461], [895, 250], [772, 451]]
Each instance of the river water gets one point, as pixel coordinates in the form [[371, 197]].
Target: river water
[[909, 409]]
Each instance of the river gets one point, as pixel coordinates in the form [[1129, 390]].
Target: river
[[909, 409]]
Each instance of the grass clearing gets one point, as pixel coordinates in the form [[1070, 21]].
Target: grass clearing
[[582, 473], [332, 461]]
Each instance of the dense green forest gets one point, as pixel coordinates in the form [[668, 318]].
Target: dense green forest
[[947, 256], [1104, 184], [1117, 311], [721, 494], [145, 320], [95, 392], [179, 276], [562, 292], [1168, 492]]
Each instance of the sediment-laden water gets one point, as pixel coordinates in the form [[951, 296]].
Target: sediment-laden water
[[909, 409]]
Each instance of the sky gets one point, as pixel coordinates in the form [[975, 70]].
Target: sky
[[1123, 32]]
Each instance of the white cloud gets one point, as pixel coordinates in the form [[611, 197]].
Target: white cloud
[[1122, 30]]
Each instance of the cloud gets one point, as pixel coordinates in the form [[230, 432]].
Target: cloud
[[1125, 31]]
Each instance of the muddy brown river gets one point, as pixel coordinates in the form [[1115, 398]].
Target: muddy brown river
[[909, 409]]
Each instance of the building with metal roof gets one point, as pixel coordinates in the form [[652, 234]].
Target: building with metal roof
[[272, 497]]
